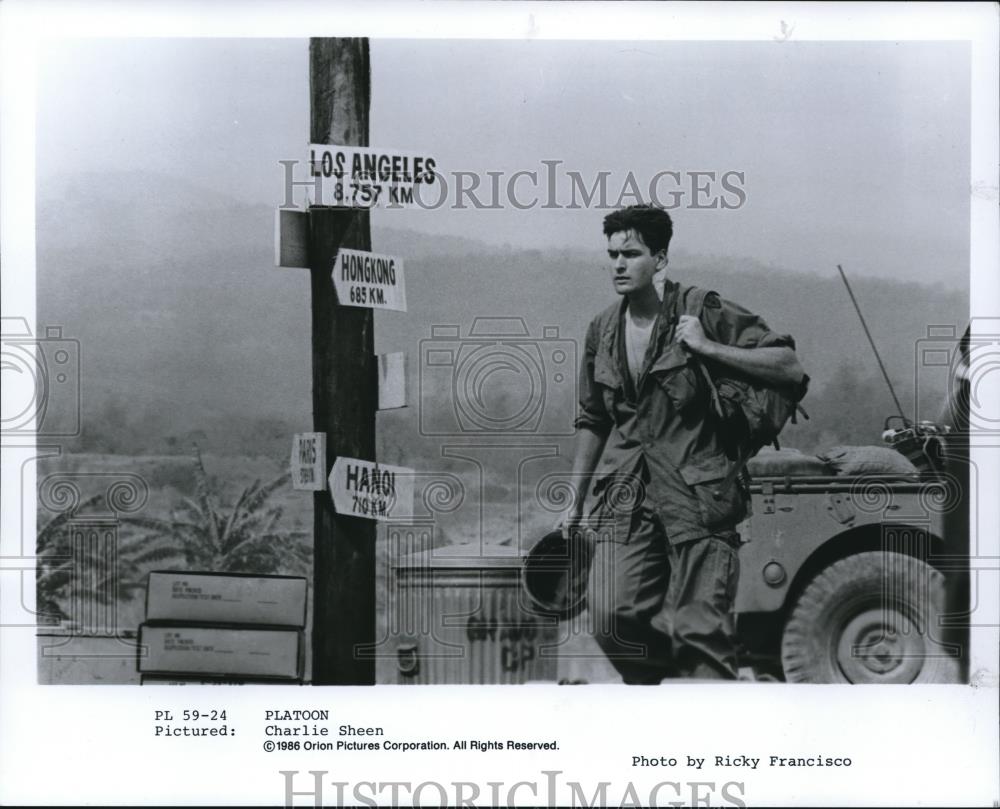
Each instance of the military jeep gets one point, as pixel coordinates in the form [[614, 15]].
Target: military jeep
[[842, 576]]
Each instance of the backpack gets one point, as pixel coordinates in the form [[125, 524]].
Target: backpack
[[750, 412]]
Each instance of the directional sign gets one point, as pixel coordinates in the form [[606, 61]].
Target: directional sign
[[362, 177], [391, 380], [369, 280], [371, 490], [309, 462]]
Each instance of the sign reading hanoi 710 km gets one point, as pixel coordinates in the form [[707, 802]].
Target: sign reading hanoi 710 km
[[371, 490], [369, 280], [364, 177]]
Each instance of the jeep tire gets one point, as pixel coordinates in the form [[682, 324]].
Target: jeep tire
[[869, 618]]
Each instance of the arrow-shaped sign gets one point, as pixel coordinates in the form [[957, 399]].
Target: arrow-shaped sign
[[369, 280], [371, 490]]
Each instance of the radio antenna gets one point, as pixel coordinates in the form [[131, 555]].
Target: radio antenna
[[868, 334]]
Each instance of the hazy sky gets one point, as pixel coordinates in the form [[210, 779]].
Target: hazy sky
[[852, 152]]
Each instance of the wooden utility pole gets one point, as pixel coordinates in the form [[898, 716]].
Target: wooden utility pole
[[345, 394]]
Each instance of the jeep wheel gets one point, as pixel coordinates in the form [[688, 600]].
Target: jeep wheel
[[869, 618]]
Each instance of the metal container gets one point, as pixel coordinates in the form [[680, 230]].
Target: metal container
[[457, 614]]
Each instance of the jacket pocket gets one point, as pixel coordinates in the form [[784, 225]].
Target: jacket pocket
[[674, 374], [618, 495], [609, 382], [719, 508]]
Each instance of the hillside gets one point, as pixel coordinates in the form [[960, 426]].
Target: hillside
[[187, 329]]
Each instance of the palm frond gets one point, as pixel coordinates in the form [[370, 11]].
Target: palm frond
[[51, 580], [53, 528], [68, 514], [203, 491], [194, 507], [241, 547], [149, 523], [129, 546], [153, 555], [295, 547], [258, 497], [234, 515]]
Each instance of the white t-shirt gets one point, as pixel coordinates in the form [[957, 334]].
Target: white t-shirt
[[636, 343]]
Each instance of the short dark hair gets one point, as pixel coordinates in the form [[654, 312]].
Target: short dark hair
[[653, 224]]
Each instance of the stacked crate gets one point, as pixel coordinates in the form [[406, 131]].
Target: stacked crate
[[222, 628]]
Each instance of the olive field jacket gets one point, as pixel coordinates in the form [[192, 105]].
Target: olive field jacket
[[662, 450]]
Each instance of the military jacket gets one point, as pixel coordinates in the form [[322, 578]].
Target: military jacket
[[663, 451]]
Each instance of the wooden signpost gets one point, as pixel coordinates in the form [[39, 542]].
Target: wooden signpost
[[348, 281], [345, 383]]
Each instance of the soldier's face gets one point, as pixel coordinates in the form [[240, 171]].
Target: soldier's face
[[632, 265]]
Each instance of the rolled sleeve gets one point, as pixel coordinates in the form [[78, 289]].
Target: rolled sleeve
[[591, 414]]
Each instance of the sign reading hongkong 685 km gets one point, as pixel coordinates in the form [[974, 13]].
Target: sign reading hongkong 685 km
[[371, 490], [369, 279], [363, 177]]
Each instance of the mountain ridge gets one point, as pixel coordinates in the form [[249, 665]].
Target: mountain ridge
[[181, 312]]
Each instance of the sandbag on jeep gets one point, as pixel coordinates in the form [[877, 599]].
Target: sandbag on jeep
[[849, 460], [770, 462]]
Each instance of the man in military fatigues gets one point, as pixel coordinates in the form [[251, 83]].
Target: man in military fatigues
[[665, 565]]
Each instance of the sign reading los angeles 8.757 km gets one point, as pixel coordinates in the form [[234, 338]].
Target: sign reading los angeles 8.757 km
[[362, 177]]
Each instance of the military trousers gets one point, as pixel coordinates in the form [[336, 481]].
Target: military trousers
[[662, 610]]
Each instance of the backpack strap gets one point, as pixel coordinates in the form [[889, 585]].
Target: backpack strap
[[692, 301]]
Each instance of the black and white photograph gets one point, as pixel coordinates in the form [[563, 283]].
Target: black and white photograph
[[407, 353]]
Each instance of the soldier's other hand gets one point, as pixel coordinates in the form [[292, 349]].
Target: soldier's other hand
[[690, 333]]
